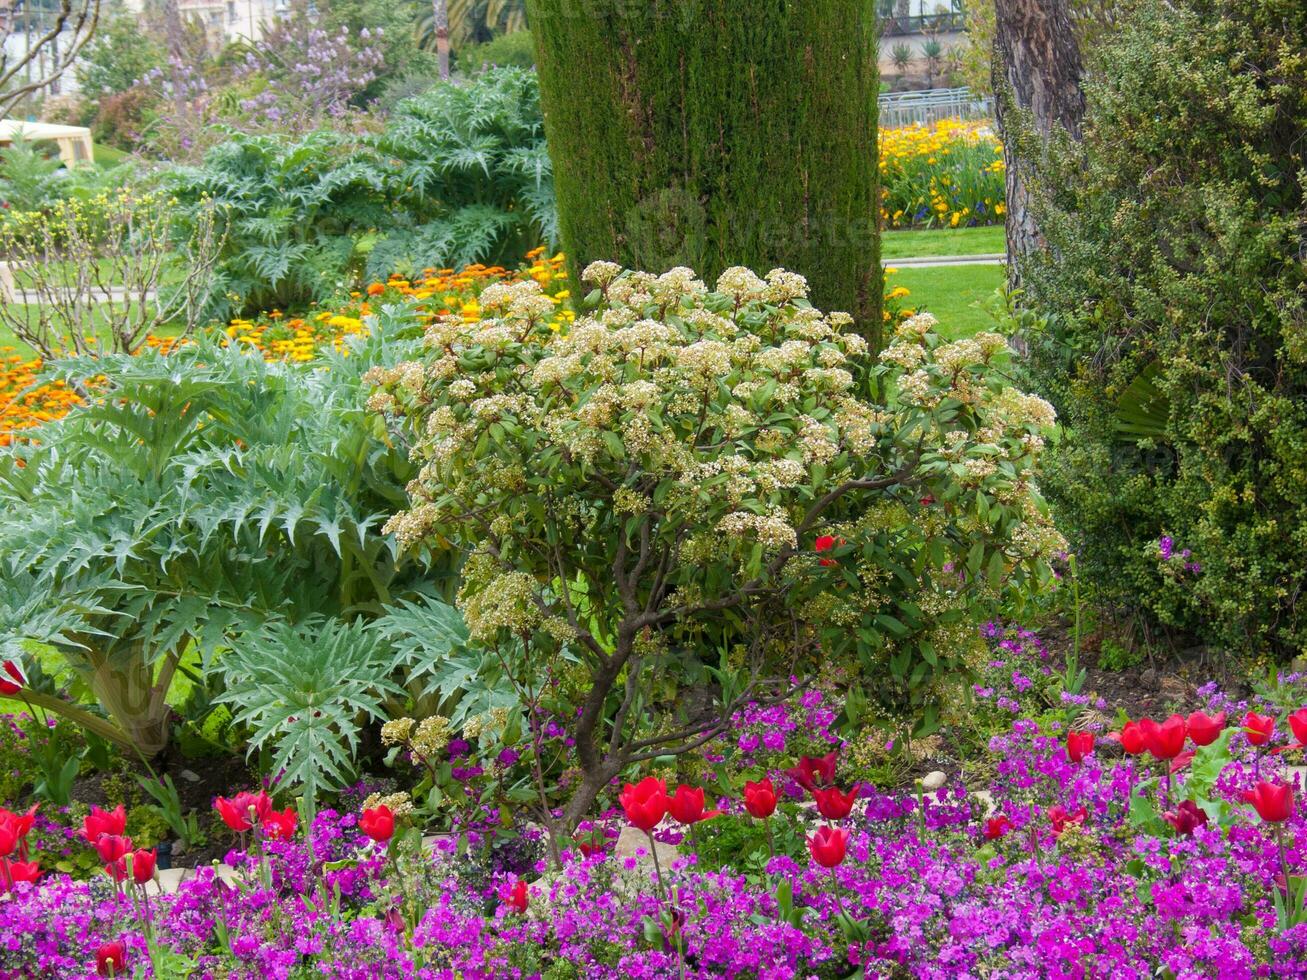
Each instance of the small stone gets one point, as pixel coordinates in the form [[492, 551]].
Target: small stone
[[933, 781], [170, 879], [633, 840], [189, 776]]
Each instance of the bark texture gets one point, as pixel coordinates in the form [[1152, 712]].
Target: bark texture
[[1037, 87], [714, 133]]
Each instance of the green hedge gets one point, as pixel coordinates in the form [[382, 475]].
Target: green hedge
[[1176, 343]]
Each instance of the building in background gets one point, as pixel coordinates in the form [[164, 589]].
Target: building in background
[[921, 42], [229, 20]]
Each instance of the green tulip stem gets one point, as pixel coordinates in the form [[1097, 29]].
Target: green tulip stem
[[658, 868], [839, 902]]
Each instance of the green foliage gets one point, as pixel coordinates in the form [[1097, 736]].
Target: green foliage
[[712, 134], [294, 210], [167, 807], [204, 494], [1114, 656], [458, 175], [305, 691], [31, 177], [474, 182], [742, 843], [443, 672], [1175, 339], [516, 49], [643, 494], [118, 56]]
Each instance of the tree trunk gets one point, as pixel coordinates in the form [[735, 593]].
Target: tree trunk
[[440, 15], [1037, 93], [176, 37], [716, 133]]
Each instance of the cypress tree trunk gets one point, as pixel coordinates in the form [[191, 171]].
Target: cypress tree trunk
[[1037, 93], [715, 133]]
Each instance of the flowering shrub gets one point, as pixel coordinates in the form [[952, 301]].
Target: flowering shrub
[[949, 175], [640, 497]]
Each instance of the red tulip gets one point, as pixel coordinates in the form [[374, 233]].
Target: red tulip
[[1298, 724], [1079, 745], [111, 960], [997, 827], [1204, 729], [1132, 739], [1273, 803], [100, 822], [760, 799], [21, 823], [11, 678], [1164, 741], [811, 773], [1187, 817], [111, 847], [1259, 728], [517, 897], [143, 865], [378, 823], [645, 803], [828, 846], [686, 806], [1061, 818], [589, 848], [280, 824], [825, 543], [8, 840], [16, 871], [243, 810], [834, 805]]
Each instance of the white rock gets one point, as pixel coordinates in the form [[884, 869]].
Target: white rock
[[933, 781], [632, 841]]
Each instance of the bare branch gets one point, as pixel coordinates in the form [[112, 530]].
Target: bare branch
[[71, 25]]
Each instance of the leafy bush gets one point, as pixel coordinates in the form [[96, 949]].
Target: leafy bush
[[459, 175], [474, 182], [639, 498], [1176, 338], [295, 211], [200, 495], [516, 49], [304, 691]]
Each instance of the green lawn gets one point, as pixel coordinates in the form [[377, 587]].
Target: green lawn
[[107, 157], [942, 241], [952, 293]]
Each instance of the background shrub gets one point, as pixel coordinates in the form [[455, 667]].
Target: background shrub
[[458, 175], [473, 181], [516, 49], [1176, 341]]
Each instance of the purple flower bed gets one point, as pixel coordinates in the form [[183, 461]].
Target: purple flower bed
[[1060, 873]]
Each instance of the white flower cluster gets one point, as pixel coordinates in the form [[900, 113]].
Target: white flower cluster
[[714, 417]]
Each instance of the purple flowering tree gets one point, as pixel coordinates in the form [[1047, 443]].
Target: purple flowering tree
[[301, 70]]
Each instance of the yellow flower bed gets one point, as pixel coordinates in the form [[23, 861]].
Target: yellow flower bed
[[297, 338], [950, 175]]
